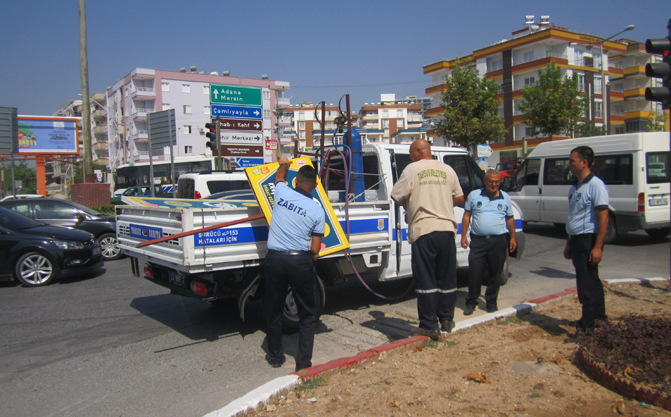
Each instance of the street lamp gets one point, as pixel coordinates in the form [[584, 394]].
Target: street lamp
[[603, 81]]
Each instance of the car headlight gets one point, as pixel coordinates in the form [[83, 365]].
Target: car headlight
[[68, 245]]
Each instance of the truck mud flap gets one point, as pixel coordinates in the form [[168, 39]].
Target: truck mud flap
[[249, 291], [135, 267]]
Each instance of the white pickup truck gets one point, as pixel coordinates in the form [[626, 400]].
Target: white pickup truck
[[227, 263]]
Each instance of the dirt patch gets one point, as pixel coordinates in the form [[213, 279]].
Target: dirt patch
[[515, 366]]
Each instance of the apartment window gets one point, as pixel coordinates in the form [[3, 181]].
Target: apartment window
[[598, 109], [267, 114], [186, 109], [399, 113], [528, 133], [528, 56], [399, 123], [266, 95], [301, 134], [581, 82], [206, 90], [501, 89], [165, 87], [166, 106], [617, 87], [301, 125], [496, 65], [597, 85], [386, 132], [315, 126], [385, 123], [619, 130], [206, 110], [579, 58], [529, 81], [385, 114], [301, 116], [186, 88], [188, 149], [618, 110], [187, 128]]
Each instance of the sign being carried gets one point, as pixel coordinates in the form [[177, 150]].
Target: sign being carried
[[262, 179]]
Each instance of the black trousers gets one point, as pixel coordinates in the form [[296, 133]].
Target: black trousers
[[297, 272], [485, 263], [434, 267], [590, 287]]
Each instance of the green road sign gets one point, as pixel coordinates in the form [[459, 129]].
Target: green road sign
[[235, 94]]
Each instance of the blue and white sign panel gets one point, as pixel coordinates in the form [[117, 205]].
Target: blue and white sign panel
[[248, 162], [237, 112]]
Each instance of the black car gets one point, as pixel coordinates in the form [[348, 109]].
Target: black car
[[65, 213], [36, 253]]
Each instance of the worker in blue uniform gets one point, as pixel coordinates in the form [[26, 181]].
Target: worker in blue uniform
[[297, 226]]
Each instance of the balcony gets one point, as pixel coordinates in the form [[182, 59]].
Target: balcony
[[142, 93], [100, 146], [436, 89], [635, 94], [140, 114], [139, 135], [99, 114], [100, 130], [638, 114], [368, 117], [637, 71]]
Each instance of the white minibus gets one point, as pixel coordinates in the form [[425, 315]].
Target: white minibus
[[634, 167]]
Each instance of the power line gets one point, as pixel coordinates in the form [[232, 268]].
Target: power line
[[359, 85]]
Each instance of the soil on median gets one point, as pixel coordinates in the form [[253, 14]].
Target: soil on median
[[527, 363]]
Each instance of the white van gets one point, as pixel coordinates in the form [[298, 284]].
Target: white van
[[634, 167], [194, 185]]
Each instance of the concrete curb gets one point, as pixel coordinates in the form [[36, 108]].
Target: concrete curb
[[266, 392]]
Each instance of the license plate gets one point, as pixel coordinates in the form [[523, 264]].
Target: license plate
[[658, 202], [96, 250], [175, 278]]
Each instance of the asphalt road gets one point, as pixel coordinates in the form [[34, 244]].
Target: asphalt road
[[114, 345]]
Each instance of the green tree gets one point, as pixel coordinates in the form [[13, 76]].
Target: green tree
[[79, 172], [471, 115], [551, 106], [587, 127], [656, 121], [27, 176]]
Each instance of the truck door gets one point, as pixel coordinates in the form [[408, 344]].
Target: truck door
[[403, 252], [527, 194]]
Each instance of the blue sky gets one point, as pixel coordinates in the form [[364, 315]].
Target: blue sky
[[324, 49]]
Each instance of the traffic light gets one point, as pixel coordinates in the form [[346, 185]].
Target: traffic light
[[660, 70], [211, 136]]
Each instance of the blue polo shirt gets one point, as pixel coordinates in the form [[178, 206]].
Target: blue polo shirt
[[295, 219], [583, 200], [488, 216]]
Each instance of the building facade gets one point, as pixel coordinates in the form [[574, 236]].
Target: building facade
[[616, 99], [144, 91]]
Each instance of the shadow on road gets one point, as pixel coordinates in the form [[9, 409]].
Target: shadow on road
[[553, 273], [634, 239]]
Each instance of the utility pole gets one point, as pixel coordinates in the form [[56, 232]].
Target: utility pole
[[86, 110]]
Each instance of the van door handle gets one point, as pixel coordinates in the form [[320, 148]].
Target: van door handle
[[540, 191], [655, 188]]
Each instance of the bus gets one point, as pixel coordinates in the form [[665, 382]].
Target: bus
[[128, 175]]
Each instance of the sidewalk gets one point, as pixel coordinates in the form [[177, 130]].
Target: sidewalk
[[267, 392]]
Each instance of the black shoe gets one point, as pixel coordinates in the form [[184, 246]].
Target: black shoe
[[492, 308], [469, 309], [278, 364], [447, 325], [434, 334]]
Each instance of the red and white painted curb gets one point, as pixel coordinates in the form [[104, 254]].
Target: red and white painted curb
[[262, 395]]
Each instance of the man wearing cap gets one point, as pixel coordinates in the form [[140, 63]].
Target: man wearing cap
[[297, 226], [586, 226], [489, 213]]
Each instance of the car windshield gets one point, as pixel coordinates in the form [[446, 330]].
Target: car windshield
[[16, 222], [85, 209], [505, 166]]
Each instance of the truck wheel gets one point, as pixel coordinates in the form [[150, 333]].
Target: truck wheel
[[660, 233], [505, 274], [611, 233], [290, 320]]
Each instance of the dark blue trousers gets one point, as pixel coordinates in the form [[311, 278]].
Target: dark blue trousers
[[297, 272], [590, 287], [485, 263], [434, 267]]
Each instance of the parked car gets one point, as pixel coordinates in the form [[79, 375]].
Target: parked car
[[508, 168], [141, 191], [35, 253], [19, 196], [195, 185], [247, 195], [66, 213]]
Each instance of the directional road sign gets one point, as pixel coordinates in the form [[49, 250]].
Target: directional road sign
[[237, 112], [232, 124], [235, 94], [248, 162], [242, 150], [242, 138]]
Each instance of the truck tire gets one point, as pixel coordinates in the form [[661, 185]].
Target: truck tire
[[660, 233], [290, 320], [505, 274]]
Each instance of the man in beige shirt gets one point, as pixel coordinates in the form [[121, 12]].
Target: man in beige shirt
[[429, 189]]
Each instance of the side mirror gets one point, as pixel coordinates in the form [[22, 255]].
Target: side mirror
[[508, 184], [80, 217]]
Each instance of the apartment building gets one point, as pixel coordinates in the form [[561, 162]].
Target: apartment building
[[514, 63], [144, 91], [387, 119], [302, 124]]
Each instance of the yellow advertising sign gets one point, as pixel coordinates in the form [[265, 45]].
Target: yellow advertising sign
[[262, 179]]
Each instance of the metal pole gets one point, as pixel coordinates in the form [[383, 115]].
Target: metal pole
[[217, 134], [172, 157], [151, 160], [86, 111]]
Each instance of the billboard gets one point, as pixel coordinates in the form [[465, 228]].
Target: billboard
[[48, 135]]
